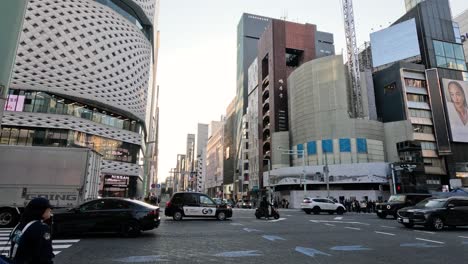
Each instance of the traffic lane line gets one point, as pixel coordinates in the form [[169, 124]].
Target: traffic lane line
[[463, 236], [425, 232], [433, 241], [353, 228], [330, 224], [387, 226], [384, 233]]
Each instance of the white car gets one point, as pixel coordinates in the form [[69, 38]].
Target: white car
[[318, 205]]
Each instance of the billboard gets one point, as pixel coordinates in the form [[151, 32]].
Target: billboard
[[457, 108], [15, 103], [395, 43]]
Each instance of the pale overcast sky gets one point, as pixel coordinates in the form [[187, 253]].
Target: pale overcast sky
[[197, 59]]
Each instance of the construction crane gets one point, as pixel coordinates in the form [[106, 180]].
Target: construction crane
[[353, 59]]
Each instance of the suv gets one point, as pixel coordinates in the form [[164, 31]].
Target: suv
[[435, 213], [317, 205], [398, 201], [192, 204]]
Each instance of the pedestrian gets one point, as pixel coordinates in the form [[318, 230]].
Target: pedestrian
[[31, 240], [287, 204]]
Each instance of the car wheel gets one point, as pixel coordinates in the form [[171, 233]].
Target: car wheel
[[316, 210], [276, 216], [340, 210], [308, 211], [8, 218], [408, 225], [380, 215], [131, 229], [177, 216], [221, 216], [437, 223]]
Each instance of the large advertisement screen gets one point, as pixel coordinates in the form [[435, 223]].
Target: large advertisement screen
[[457, 108], [395, 43]]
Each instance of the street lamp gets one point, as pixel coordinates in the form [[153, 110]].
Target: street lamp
[[297, 152]]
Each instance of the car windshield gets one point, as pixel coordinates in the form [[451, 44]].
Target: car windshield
[[397, 199], [432, 203]]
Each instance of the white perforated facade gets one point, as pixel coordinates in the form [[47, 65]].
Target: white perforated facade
[[84, 49], [92, 52]]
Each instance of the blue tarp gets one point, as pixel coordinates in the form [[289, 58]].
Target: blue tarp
[[455, 192]]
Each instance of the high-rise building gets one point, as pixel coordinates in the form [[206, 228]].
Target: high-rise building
[[252, 130], [283, 47], [202, 139], [190, 177], [461, 31], [229, 165], [410, 4], [413, 86], [180, 173], [214, 159], [81, 79]]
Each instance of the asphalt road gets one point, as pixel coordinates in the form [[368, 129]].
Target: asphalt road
[[294, 238]]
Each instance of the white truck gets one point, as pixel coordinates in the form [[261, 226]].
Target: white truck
[[65, 176]]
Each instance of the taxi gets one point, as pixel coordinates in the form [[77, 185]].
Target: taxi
[[193, 204]]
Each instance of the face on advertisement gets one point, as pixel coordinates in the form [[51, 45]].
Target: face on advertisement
[[457, 96]]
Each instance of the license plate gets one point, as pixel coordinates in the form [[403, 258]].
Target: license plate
[[405, 220], [379, 211]]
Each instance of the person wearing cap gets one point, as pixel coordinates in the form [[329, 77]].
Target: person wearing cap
[[31, 239]]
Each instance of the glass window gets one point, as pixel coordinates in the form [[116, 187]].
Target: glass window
[[60, 107], [5, 138], [441, 62], [452, 63], [423, 129], [439, 48], [300, 149], [448, 48], [204, 200], [14, 133], [52, 105], [461, 65], [39, 137], [23, 137], [458, 50], [417, 98]]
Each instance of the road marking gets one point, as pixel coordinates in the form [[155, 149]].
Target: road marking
[[277, 220], [426, 232], [383, 233], [141, 259], [338, 222], [419, 245], [338, 218], [5, 231], [433, 241], [288, 215], [354, 228], [350, 248], [251, 230], [330, 224], [65, 241], [311, 252], [237, 224], [238, 254], [388, 226], [60, 246], [273, 238], [462, 236]]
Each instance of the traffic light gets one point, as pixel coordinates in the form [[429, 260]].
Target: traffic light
[[398, 188]]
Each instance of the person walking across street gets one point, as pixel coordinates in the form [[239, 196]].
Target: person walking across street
[[31, 239]]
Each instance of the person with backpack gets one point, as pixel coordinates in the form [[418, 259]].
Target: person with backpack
[[31, 241]]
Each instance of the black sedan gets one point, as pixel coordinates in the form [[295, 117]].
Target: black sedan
[[435, 213], [125, 216]]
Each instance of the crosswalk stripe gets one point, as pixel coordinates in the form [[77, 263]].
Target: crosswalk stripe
[[57, 252], [60, 246], [5, 231], [66, 241]]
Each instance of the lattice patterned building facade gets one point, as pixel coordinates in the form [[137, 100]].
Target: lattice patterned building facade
[[82, 79]]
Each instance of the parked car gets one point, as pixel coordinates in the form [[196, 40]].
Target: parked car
[[399, 201], [125, 216], [192, 204], [318, 205], [436, 213]]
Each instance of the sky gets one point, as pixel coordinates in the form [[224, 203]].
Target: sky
[[197, 56]]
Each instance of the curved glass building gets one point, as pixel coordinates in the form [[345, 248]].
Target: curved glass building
[[82, 79]]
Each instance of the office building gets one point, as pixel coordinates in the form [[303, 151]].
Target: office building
[[202, 139], [283, 47], [426, 59], [214, 159], [461, 31], [81, 79]]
